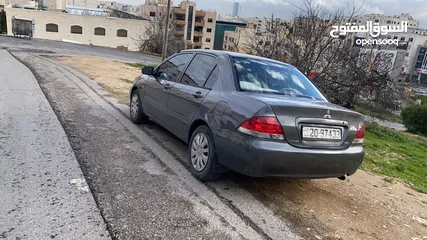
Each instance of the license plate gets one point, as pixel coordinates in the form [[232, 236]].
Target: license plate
[[321, 133]]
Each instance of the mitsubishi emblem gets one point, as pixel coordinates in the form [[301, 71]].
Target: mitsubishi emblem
[[328, 115]]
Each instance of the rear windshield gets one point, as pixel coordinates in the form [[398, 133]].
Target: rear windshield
[[263, 76]]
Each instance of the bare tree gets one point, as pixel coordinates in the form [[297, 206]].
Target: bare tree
[[151, 40], [339, 68]]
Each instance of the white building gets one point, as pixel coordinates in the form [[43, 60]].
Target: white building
[[84, 29], [384, 20]]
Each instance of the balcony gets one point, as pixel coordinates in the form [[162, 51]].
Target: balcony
[[179, 33], [199, 24], [180, 22], [197, 44], [180, 11], [198, 34], [200, 13]]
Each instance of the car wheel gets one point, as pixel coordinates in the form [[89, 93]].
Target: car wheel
[[201, 155], [136, 114]]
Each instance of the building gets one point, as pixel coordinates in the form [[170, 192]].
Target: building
[[239, 40], [221, 28], [421, 64], [387, 20], [20, 3], [84, 29], [236, 10], [196, 27]]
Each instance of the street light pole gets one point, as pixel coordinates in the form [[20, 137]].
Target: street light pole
[[165, 39]]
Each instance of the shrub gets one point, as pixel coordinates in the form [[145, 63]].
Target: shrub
[[415, 118], [423, 99]]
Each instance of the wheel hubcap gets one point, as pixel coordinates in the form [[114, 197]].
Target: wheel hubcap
[[134, 106], [199, 152]]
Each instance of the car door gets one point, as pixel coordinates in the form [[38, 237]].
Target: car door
[[186, 95], [157, 90]]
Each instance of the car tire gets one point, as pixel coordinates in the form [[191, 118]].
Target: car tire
[[206, 171], [137, 115]]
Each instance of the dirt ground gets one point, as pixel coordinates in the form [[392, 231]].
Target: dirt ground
[[115, 77], [365, 206]]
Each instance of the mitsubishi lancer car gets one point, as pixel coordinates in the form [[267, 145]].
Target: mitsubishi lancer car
[[248, 114]]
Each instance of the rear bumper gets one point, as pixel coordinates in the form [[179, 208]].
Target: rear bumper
[[262, 158]]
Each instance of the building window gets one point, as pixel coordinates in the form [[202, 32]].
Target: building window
[[395, 37], [190, 22], [76, 29], [226, 38], [206, 48], [210, 20], [388, 21], [376, 20], [407, 54], [152, 14], [51, 27], [122, 33], [402, 38], [209, 30], [208, 40], [99, 31], [411, 39]]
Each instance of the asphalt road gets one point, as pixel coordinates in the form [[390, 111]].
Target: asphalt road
[[43, 193], [47, 47]]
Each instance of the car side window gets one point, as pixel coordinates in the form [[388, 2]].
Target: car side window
[[199, 70], [212, 79], [171, 69]]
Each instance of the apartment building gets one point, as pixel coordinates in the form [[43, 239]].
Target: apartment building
[[196, 27], [387, 20], [221, 27], [238, 40]]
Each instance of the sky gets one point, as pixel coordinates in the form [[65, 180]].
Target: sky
[[285, 8]]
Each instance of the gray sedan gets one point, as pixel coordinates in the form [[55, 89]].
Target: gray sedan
[[252, 115]]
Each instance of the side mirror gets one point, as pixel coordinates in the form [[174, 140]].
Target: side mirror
[[147, 70]]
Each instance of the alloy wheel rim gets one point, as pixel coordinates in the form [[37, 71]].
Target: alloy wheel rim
[[199, 152], [134, 106]]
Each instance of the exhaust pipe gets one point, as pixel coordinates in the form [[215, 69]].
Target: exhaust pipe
[[341, 178]]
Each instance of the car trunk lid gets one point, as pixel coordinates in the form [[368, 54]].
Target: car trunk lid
[[297, 115]]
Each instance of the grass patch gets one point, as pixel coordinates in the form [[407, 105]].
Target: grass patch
[[122, 97], [126, 80], [140, 65], [136, 65], [388, 116], [396, 155]]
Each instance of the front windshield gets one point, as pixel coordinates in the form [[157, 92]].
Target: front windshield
[[257, 75]]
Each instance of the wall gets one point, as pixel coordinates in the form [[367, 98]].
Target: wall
[[64, 21], [241, 40], [206, 34], [220, 28]]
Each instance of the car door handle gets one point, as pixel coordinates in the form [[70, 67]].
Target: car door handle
[[197, 94], [167, 86]]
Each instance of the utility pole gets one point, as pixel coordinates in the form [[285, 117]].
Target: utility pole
[[165, 39]]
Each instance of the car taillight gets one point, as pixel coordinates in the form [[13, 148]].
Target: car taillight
[[360, 135], [263, 127]]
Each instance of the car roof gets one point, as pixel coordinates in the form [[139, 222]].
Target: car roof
[[233, 54]]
